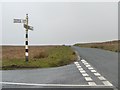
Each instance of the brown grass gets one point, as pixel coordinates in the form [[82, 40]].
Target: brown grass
[[39, 56], [18, 52], [109, 45]]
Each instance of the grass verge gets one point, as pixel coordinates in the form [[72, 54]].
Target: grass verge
[[39, 57]]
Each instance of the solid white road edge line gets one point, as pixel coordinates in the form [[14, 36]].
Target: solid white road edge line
[[77, 55], [35, 84]]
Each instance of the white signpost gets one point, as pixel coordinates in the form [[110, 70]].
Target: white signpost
[[29, 27], [19, 21], [26, 26]]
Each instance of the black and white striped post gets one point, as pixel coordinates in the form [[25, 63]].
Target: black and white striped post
[[27, 27], [26, 40]]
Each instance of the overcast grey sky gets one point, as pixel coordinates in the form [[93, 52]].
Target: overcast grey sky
[[60, 22]]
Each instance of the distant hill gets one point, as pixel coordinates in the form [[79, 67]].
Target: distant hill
[[108, 45]]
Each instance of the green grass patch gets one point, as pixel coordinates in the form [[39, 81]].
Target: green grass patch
[[39, 57]]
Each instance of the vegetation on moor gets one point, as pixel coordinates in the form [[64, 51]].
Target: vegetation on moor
[[109, 45], [13, 57]]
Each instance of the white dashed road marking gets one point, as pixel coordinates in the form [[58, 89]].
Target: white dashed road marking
[[88, 65], [90, 68], [78, 66], [83, 60], [107, 83], [88, 79], [76, 63], [92, 83], [85, 75], [95, 73], [100, 77], [93, 70], [83, 71]]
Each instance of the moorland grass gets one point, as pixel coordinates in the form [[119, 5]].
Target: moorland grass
[[109, 45], [39, 57]]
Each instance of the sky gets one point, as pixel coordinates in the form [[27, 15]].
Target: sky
[[60, 22]]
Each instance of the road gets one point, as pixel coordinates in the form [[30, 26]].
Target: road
[[106, 62], [94, 68]]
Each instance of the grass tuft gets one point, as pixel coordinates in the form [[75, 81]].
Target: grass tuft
[[41, 54]]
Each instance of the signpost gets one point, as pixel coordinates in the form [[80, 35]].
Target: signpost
[[19, 21], [27, 27]]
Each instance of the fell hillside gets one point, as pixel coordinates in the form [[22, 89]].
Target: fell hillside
[[108, 45]]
